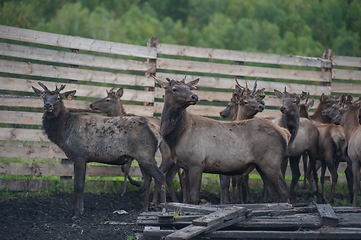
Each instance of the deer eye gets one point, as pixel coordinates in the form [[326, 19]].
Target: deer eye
[[107, 100], [58, 98], [174, 90], [245, 102]]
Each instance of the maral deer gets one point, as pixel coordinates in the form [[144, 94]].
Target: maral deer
[[199, 144], [244, 104], [304, 136], [112, 105], [92, 138], [348, 117], [331, 143]]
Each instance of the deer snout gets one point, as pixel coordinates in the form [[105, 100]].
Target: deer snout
[[261, 107], [282, 109], [48, 106], [194, 99]]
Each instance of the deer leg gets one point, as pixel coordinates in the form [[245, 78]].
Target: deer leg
[[349, 177], [79, 181], [146, 187], [314, 174], [333, 170], [295, 168], [184, 176], [126, 169], [195, 181], [305, 160], [224, 182], [356, 180], [239, 183], [323, 171], [247, 193], [169, 176]]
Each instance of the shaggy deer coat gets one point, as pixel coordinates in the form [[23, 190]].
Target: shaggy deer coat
[[92, 138], [200, 144]]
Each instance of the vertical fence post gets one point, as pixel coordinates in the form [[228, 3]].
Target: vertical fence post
[[152, 42], [65, 160], [327, 55]]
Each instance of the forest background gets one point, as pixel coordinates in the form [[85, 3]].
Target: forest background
[[298, 27]]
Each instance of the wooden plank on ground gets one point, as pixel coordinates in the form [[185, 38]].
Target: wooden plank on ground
[[241, 70], [26, 85], [211, 53], [41, 54], [59, 40], [33, 69], [209, 222], [327, 214]]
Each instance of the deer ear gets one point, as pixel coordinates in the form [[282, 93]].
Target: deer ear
[[279, 94], [162, 84], [119, 93], [311, 103], [38, 92], [349, 99], [192, 84], [68, 95], [303, 95], [322, 97]]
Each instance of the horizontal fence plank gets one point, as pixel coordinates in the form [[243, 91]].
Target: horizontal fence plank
[[32, 118], [59, 40], [346, 74], [15, 117], [211, 53], [347, 88], [21, 151], [20, 134], [41, 54], [75, 105], [25, 85], [41, 70], [229, 83], [213, 111], [241, 70], [346, 61], [32, 169]]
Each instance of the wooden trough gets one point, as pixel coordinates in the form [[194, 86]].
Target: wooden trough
[[251, 221]]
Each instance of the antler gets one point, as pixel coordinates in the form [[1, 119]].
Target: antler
[[243, 89], [184, 79], [58, 90], [43, 86], [308, 95], [254, 87]]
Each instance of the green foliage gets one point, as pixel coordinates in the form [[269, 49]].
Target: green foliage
[[300, 27]]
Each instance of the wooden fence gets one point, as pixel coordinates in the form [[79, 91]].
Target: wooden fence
[[92, 66]]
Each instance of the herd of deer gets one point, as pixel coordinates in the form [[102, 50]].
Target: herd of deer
[[203, 145]]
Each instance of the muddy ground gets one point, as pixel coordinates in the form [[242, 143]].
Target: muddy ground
[[50, 217]]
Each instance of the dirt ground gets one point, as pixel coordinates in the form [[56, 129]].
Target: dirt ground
[[50, 217]]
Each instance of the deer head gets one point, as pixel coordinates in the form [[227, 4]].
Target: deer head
[[291, 101], [178, 94], [111, 105], [53, 100]]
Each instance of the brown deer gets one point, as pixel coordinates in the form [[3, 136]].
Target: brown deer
[[92, 138], [348, 117], [244, 104], [199, 144], [331, 144], [112, 105], [304, 136]]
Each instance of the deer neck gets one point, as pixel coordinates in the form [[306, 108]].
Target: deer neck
[[291, 122], [242, 114], [55, 125], [317, 116], [351, 121], [173, 123]]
